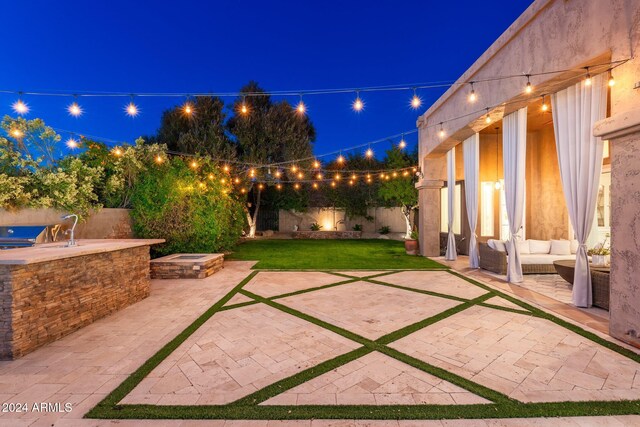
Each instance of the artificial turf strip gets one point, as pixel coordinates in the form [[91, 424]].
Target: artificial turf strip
[[134, 379], [354, 254], [288, 383], [420, 291], [509, 309]]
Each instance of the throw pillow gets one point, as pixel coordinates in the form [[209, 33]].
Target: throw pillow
[[523, 247], [492, 244], [560, 247], [539, 246]]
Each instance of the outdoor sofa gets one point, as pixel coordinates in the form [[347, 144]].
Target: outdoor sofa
[[536, 256]]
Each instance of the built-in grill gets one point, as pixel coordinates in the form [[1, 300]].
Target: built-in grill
[[20, 236]]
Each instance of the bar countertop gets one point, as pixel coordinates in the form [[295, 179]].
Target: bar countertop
[[58, 250]]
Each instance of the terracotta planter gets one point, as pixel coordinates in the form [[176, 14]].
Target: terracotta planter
[[411, 247]]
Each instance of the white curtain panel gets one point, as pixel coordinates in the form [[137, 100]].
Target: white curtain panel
[[575, 110], [514, 143], [471, 151], [451, 254]]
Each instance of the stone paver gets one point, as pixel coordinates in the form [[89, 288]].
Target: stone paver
[[376, 379], [272, 283], [368, 309], [238, 298], [83, 367], [236, 353], [504, 303], [527, 358], [435, 281]]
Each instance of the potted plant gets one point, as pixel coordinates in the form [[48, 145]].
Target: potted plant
[[599, 253], [411, 244], [316, 227]]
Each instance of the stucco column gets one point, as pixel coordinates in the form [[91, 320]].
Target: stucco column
[[623, 133], [429, 208]]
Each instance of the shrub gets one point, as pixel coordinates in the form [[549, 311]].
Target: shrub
[[171, 202], [357, 227], [315, 227], [385, 229]]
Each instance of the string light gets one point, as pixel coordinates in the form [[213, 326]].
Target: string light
[[237, 180], [296, 186], [315, 185], [358, 104], [117, 152], [72, 143], [395, 174], [131, 108], [441, 133], [226, 168], [612, 81], [316, 164], [223, 181], [20, 107], [544, 107], [187, 108], [351, 182], [405, 173], [279, 186], [369, 153], [333, 184], [354, 177], [487, 119], [402, 142], [194, 164], [472, 94], [319, 176], [74, 108], [337, 177], [159, 159], [587, 80], [340, 159], [278, 174], [416, 101], [242, 190], [294, 169], [261, 186], [16, 133], [300, 175], [301, 108], [211, 177], [252, 172], [528, 88], [244, 109]]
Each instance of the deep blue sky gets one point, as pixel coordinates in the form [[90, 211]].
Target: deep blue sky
[[191, 46]]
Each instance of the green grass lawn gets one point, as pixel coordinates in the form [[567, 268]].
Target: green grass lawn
[[329, 255]]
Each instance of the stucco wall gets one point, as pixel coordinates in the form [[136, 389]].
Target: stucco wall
[[101, 224], [328, 217]]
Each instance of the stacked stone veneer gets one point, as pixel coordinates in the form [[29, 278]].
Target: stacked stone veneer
[[171, 267], [327, 234], [42, 302]]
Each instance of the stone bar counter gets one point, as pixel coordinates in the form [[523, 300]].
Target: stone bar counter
[[50, 290]]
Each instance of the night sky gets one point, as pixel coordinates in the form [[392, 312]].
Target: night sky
[[195, 46]]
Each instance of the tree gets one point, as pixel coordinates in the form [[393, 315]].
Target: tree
[[268, 133], [200, 132], [401, 191]]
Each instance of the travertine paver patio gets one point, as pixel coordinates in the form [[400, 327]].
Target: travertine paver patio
[[367, 309], [436, 281], [241, 350], [527, 358], [376, 379], [236, 353]]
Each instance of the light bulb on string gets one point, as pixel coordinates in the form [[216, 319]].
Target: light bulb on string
[[226, 168], [395, 174], [441, 133], [337, 177], [316, 164], [333, 184], [528, 88], [211, 177], [279, 186], [244, 109], [405, 173], [294, 169], [252, 172], [319, 176], [20, 107], [358, 104], [193, 164], [72, 143], [237, 180], [74, 108], [369, 153], [354, 177], [612, 81], [261, 186], [315, 185], [131, 108], [487, 119], [587, 80], [278, 174], [416, 101], [300, 175], [472, 95], [340, 159], [402, 142], [159, 159], [117, 152], [16, 133], [296, 186], [187, 108], [301, 108], [544, 106]]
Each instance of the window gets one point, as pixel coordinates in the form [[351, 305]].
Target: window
[[487, 189], [444, 209]]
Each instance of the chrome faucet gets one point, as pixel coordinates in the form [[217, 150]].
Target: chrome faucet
[[72, 240]]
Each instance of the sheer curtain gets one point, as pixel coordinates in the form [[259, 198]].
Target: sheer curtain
[[471, 151], [514, 143], [451, 254], [575, 110]]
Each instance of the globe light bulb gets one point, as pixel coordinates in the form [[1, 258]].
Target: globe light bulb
[[316, 164], [472, 96], [187, 108], [369, 153], [20, 107], [131, 109], [74, 109], [358, 104], [528, 88], [72, 143], [301, 108], [416, 102], [402, 144], [340, 159]]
